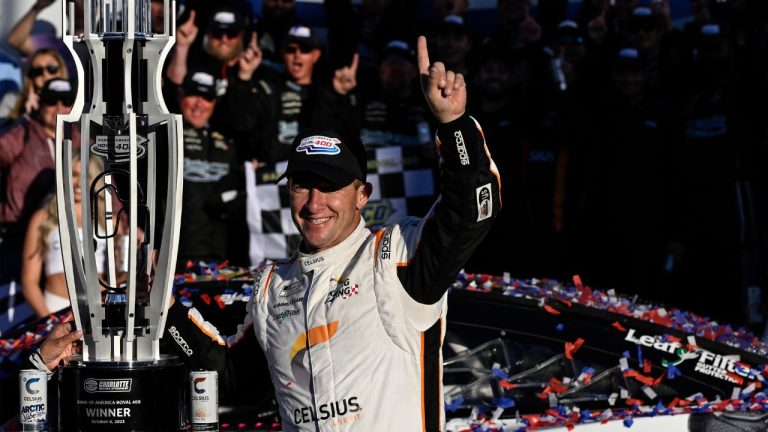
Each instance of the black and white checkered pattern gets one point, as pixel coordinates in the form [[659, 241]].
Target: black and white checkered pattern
[[403, 184]]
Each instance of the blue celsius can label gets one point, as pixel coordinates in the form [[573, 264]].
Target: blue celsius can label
[[33, 392], [204, 400]]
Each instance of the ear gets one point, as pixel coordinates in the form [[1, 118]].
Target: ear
[[316, 53], [363, 193]]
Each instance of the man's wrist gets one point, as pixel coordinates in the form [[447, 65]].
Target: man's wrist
[[39, 363], [451, 118]]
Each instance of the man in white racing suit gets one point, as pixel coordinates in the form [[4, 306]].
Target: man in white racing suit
[[352, 325]]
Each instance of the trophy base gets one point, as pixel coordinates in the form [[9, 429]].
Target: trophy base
[[136, 396]]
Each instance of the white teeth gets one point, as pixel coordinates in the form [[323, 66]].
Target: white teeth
[[318, 221]]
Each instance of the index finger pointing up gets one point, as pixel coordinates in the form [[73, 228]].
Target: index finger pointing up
[[422, 55], [191, 18]]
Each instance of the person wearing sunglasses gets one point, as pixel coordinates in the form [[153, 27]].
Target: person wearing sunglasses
[[223, 44], [26, 157], [212, 180], [230, 57], [297, 100], [43, 65]]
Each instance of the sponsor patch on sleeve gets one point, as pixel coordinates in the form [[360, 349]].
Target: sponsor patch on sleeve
[[484, 202]]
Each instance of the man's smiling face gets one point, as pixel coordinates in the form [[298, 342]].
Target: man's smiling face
[[325, 214]]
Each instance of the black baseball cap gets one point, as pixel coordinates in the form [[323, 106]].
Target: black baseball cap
[[399, 48], [629, 58], [200, 83], [226, 19], [302, 36], [58, 89], [327, 154], [452, 24]]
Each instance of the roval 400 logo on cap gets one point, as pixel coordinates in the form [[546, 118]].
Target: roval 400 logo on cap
[[319, 145]]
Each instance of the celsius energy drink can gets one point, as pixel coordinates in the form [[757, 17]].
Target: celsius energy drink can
[[204, 400], [33, 391]]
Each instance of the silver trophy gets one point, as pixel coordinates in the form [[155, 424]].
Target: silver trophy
[[121, 381]]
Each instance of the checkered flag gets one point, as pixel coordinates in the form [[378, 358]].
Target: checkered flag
[[403, 185]]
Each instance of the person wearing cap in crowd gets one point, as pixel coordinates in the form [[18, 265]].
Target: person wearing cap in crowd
[[352, 325], [43, 65], [444, 8], [517, 27], [568, 47], [397, 114], [222, 45], [452, 43], [26, 156], [298, 100], [212, 178], [365, 28], [647, 29], [398, 133], [231, 62]]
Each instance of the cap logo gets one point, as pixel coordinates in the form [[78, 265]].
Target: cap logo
[[319, 145], [225, 18], [710, 30], [398, 44], [203, 78], [60, 86], [300, 31], [642, 11], [454, 19], [629, 53]]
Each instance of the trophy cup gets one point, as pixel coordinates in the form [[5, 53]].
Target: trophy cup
[[120, 381]]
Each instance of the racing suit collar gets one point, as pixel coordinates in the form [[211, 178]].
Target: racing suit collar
[[335, 254]]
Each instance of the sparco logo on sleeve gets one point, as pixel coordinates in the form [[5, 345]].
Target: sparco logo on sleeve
[[484, 202], [386, 245], [462, 149], [180, 340]]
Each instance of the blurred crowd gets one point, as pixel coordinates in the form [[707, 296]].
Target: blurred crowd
[[631, 147]]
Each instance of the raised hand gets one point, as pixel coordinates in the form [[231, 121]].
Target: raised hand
[[33, 101], [345, 79], [187, 32], [60, 345], [250, 59], [444, 90], [598, 27], [42, 4]]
